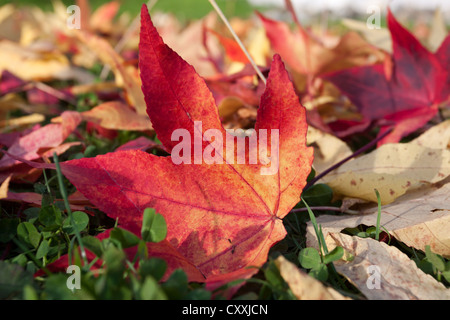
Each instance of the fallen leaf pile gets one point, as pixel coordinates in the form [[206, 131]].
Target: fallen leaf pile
[[131, 87]]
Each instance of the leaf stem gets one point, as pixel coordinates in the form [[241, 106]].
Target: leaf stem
[[235, 36], [340, 163], [46, 182], [320, 208]]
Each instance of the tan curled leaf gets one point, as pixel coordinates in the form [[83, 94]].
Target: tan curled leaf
[[377, 37], [303, 286], [126, 75], [378, 263], [13, 101], [188, 41], [417, 219], [117, 116], [392, 169]]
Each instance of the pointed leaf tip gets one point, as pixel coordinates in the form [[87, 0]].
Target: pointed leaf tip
[[175, 95]]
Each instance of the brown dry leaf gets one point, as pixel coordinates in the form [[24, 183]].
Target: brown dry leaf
[[417, 219], [303, 286], [393, 169], [352, 50], [78, 198], [117, 116], [10, 17], [438, 31], [29, 64], [188, 42], [12, 101], [399, 277], [126, 76], [229, 105], [381, 38], [306, 54]]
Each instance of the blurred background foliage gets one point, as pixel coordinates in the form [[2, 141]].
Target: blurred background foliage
[[183, 9]]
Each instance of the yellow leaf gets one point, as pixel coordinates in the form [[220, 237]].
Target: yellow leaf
[[126, 76], [28, 64]]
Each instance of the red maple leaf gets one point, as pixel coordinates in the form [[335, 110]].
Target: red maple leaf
[[232, 49], [443, 56], [222, 217], [404, 95]]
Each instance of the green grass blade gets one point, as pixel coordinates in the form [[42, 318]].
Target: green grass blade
[[377, 230], [69, 211], [318, 231]]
